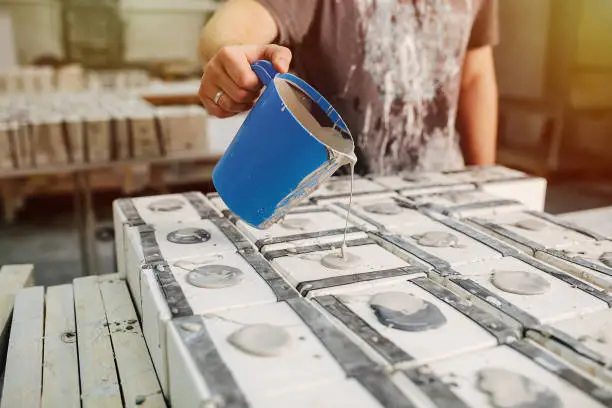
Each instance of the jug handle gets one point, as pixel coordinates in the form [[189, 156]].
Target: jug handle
[[265, 71]]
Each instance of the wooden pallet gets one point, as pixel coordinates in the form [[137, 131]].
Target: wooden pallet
[[78, 345]]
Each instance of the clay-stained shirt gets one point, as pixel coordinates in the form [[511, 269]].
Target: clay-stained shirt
[[391, 68]]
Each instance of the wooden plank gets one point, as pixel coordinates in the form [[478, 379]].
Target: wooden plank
[[138, 380], [23, 376], [12, 279], [99, 383], [60, 364]]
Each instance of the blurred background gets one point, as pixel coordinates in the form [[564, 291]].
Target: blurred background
[[554, 67]]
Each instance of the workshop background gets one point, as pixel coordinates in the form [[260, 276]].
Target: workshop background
[[554, 69]]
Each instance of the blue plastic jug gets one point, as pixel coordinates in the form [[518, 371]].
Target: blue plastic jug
[[291, 141]]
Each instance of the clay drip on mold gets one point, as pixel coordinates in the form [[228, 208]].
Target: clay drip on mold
[[262, 340], [606, 259], [336, 260], [383, 208], [531, 225], [437, 239], [166, 205], [215, 276], [520, 282], [406, 312], [507, 389], [188, 236]]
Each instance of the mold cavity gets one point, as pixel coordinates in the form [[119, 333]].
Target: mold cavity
[[531, 225], [406, 312], [520, 282], [339, 186], [335, 260], [262, 340], [188, 236], [296, 223], [606, 259], [383, 208], [507, 389], [215, 276], [437, 239], [166, 205]]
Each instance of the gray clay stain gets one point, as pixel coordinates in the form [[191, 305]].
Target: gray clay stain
[[531, 225], [383, 208], [188, 236], [166, 205], [261, 340], [215, 276], [406, 312], [437, 239], [520, 282], [507, 389], [606, 259]]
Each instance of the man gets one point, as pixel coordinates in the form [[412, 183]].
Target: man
[[404, 74]]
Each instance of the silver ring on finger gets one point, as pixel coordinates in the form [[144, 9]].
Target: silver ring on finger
[[217, 97]]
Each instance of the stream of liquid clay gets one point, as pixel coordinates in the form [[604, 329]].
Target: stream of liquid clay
[[406, 312], [348, 214], [520, 282], [507, 389], [262, 340]]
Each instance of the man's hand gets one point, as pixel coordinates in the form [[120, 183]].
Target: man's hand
[[229, 71]]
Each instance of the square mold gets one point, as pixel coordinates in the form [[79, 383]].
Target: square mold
[[531, 191], [304, 270], [177, 241], [548, 296], [445, 244], [532, 371], [188, 287], [216, 358], [385, 213], [466, 203], [132, 212], [530, 231], [590, 261], [438, 316], [584, 341], [302, 224]]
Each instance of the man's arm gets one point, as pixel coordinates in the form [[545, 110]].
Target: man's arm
[[229, 85], [477, 115], [237, 22]]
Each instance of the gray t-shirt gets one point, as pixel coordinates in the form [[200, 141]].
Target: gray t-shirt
[[391, 68]]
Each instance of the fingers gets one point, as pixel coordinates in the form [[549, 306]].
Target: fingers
[[230, 71]]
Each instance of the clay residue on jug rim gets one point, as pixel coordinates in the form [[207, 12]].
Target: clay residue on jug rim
[[328, 136]]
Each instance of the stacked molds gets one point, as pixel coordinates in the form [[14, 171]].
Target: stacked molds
[[531, 231], [528, 291], [584, 341], [520, 374], [590, 261], [421, 183], [408, 323], [305, 222], [203, 285], [266, 355], [306, 269], [462, 204], [504, 182], [385, 213], [179, 241], [134, 212], [446, 243]]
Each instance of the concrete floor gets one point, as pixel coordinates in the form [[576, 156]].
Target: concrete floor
[[45, 235]]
